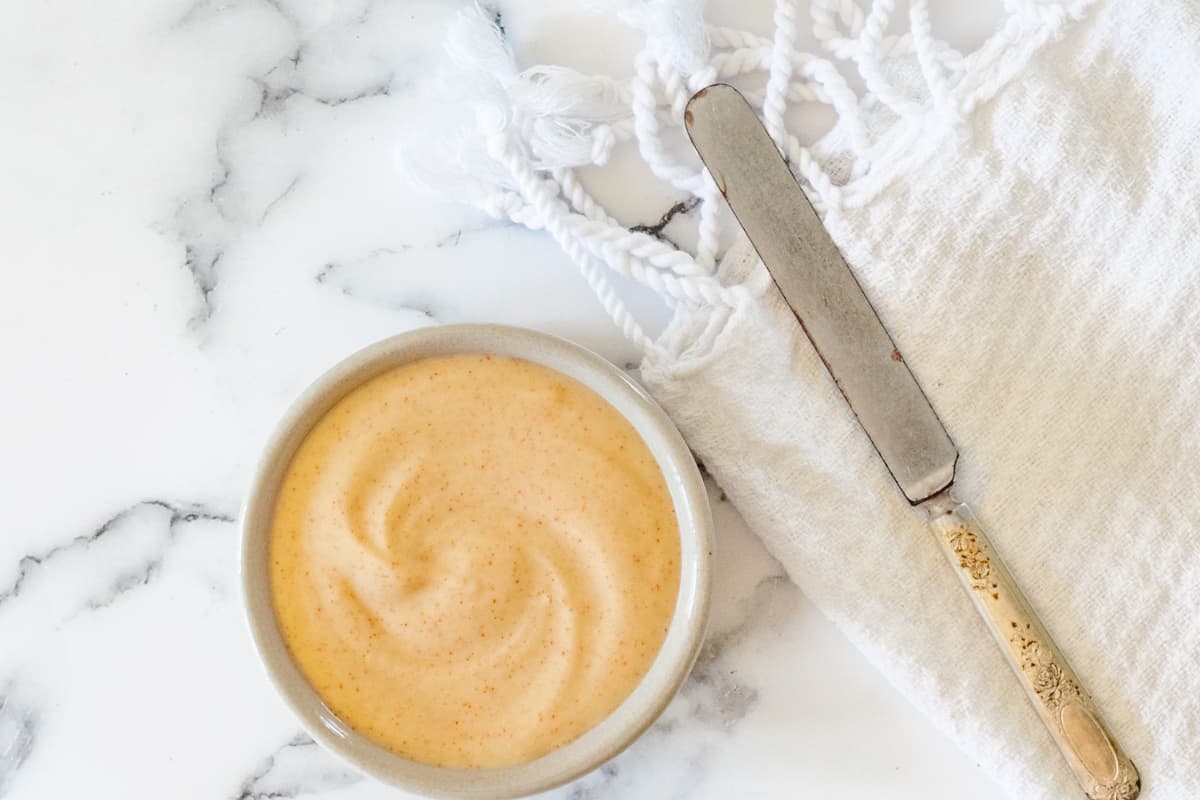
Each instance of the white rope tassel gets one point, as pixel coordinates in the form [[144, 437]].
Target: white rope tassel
[[925, 47], [635, 255], [826, 15], [516, 155], [648, 130], [780, 74], [868, 56], [589, 267]]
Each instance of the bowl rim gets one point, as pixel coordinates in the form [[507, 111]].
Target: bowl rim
[[637, 711]]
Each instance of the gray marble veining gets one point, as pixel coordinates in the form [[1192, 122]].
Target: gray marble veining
[[201, 215]]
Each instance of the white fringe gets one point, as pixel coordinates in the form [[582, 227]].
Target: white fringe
[[513, 138]]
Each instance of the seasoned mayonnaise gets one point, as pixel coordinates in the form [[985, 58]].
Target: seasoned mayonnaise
[[474, 560]]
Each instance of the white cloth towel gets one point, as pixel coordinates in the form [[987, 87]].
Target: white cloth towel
[[1043, 281], [1037, 259]]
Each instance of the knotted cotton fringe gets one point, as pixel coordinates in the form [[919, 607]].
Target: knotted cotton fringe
[[525, 132]]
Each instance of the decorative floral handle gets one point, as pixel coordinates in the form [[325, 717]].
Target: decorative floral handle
[[1102, 768]]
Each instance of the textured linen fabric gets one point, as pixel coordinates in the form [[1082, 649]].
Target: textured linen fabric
[[1040, 275]]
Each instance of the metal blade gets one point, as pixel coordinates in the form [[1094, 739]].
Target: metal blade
[[822, 291]]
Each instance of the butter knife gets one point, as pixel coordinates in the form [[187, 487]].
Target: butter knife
[[868, 369]]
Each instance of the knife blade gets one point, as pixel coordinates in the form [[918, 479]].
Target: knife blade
[[829, 303], [867, 367]]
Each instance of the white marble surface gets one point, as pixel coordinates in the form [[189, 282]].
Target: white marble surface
[[198, 214]]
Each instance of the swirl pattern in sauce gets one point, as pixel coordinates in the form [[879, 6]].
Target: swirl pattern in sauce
[[474, 560]]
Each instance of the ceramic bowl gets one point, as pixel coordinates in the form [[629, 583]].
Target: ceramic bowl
[[668, 669]]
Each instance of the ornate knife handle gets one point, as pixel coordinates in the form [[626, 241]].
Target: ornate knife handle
[[1065, 707]]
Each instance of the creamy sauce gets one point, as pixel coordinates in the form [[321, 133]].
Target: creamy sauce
[[474, 560]]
